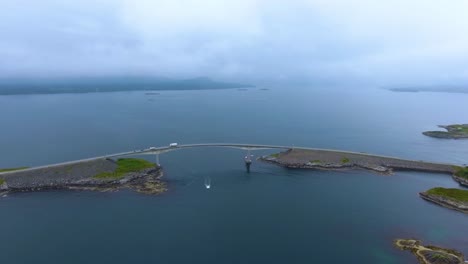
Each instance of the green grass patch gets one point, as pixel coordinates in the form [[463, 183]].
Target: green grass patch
[[344, 160], [2, 181], [13, 169], [461, 172], [274, 155], [125, 166], [316, 161], [450, 193], [460, 128], [439, 256]]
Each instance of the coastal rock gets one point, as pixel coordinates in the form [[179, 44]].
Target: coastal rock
[[430, 254], [3, 187], [147, 181], [453, 132], [338, 160], [443, 134], [460, 180], [82, 177], [445, 202], [328, 165]]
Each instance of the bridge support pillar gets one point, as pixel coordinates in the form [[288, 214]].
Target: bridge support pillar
[[157, 160], [248, 161], [247, 165]]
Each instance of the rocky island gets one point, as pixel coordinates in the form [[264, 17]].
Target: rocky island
[[100, 175], [455, 131], [430, 254], [338, 160], [455, 199]]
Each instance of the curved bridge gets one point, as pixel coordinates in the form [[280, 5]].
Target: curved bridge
[[156, 151], [159, 150], [248, 147]]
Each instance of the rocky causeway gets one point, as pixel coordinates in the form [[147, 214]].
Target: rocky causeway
[[338, 160], [82, 176]]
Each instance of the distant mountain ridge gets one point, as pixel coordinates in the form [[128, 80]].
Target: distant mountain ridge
[[109, 84]]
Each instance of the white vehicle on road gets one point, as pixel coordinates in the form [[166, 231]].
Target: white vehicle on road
[[152, 148], [173, 145]]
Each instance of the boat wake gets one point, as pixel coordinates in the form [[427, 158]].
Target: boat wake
[[207, 182]]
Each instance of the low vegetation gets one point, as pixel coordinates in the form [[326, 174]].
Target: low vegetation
[[274, 155], [440, 257], [2, 181], [461, 172], [316, 161], [450, 193], [125, 166], [344, 160], [459, 128], [13, 169]]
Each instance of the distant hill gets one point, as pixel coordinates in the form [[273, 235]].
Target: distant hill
[[114, 84], [437, 89]]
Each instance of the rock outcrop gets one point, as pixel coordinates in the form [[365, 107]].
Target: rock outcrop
[[462, 181], [445, 202], [453, 132], [82, 177], [430, 254], [335, 160]]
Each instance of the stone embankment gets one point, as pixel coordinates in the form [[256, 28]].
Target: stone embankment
[[81, 177], [329, 159]]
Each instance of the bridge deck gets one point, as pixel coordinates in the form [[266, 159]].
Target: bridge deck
[[158, 150]]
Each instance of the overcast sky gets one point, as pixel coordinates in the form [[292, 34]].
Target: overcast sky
[[383, 42]]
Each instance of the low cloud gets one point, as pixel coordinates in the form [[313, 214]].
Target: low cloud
[[386, 43]]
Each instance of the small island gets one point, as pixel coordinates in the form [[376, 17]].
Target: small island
[[427, 254], [98, 175], [455, 199], [456, 131]]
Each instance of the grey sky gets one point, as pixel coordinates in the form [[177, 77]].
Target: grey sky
[[391, 42]]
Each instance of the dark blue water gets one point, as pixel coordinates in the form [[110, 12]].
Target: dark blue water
[[270, 215]]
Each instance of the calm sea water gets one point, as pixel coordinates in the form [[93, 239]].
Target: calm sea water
[[271, 215]]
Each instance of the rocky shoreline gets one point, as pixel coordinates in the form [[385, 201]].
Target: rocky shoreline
[[341, 160], [460, 180], [327, 165], [445, 202], [338, 160], [427, 254], [82, 177], [453, 132], [443, 134]]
